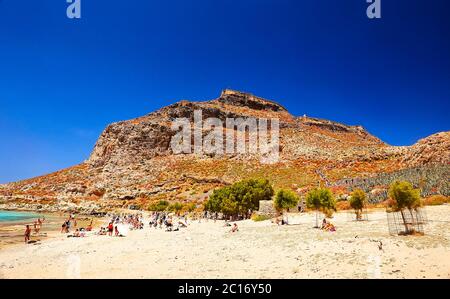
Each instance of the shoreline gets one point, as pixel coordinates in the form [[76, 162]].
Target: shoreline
[[12, 232]]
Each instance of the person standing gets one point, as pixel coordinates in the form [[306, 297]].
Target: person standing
[[27, 234], [110, 229]]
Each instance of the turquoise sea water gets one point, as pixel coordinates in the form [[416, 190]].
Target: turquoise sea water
[[6, 216]]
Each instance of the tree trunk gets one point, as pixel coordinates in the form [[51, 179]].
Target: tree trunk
[[414, 218], [404, 222], [317, 219]]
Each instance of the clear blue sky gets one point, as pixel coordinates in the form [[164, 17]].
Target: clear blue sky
[[62, 81]]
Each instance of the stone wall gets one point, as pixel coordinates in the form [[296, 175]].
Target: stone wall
[[432, 179], [266, 208]]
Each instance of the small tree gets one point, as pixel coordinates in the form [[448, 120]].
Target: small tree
[[285, 199], [159, 206], [321, 199], [404, 196], [358, 202]]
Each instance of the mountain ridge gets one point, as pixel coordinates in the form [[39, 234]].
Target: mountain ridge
[[132, 161]]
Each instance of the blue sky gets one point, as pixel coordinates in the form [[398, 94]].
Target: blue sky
[[62, 81]]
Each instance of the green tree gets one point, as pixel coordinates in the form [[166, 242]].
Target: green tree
[[357, 202], [321, 199], [405, 197], [285, 199], [240, 197]]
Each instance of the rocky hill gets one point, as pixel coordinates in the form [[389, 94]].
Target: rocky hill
[[133, 163]]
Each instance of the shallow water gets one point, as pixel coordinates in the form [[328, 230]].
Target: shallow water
[[8, 216], [13, 223]]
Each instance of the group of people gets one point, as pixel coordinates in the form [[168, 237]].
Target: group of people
[[160, 219], [65, 228], [120, 224], [78, 232], [37, 225]]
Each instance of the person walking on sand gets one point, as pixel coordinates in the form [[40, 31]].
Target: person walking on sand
[[27, 234], [39, 226]]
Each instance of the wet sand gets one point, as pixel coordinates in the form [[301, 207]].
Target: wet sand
[[12, 232]]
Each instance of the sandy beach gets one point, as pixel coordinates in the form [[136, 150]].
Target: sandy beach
[[258, 250]]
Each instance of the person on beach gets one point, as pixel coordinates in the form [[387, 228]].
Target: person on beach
[[110, 229], [27, 233], [234, 228], [89, 227], [64, 227], [35, 225], [328, 226], [68, 226], [324, 223]]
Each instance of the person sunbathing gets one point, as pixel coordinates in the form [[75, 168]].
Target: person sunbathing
[[328, 226], [182, 224], [331, 228], [234, 228], [324, 224]]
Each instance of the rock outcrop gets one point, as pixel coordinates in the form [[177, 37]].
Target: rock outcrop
[[132, 161]]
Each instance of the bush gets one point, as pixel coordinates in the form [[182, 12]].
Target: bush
[[343, 205], [191, 207], [436, 200], [160, 206], [175, 207], [258, 218], [240, 197], [285, 199]]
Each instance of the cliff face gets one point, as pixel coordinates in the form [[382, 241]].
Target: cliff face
[[133, 163]]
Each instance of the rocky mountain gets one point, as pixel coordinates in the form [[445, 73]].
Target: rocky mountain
[[133, 162]]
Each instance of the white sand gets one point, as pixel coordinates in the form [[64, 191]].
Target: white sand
[[258, 250]]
